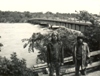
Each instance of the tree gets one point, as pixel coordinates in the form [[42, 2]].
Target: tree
[[92, 32], [84, 15], [14, 67]]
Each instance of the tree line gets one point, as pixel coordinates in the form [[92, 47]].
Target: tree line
[[17, 17]]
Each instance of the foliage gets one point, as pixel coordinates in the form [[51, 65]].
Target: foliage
[[14, 66], [66, 36], [17, 17], [86, 16], [13, 17], [93, 35], [92, 32]]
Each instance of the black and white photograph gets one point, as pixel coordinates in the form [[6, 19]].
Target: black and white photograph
[[49, 37]]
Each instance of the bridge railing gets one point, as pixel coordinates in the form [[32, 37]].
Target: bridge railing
[[62, 20], [70, 59]]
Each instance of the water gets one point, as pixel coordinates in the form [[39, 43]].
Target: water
[[11, 35]]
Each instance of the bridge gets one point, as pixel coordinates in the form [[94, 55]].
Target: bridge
[[80, 26]]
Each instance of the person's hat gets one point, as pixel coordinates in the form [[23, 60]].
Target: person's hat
[[80, 37]]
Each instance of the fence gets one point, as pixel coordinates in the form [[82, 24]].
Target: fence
[[40, 67]]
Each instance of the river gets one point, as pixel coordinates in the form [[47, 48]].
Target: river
[[11, 35]]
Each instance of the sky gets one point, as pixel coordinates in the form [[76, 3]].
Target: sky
[[62, 6]]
